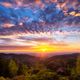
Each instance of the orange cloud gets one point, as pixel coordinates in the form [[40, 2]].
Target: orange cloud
[[6, 4], [41, 43], [42, 49], [73, 13], [8, 25], [19, 2], [38, 1], [53, 0], [77, 14]]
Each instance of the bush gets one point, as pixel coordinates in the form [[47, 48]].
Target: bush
[[2, 78], [63, 78], [19, 78]]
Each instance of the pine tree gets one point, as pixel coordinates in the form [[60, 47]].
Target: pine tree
[[13, 68]]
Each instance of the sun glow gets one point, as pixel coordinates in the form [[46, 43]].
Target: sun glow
[[43, 48]]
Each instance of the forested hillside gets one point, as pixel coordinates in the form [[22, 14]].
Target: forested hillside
[[26, 67]]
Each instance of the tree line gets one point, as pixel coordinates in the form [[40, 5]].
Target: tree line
[[11, 70]]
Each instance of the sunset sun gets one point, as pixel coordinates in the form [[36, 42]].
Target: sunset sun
[[43, 48]]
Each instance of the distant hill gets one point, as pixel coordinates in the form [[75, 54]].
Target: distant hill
[[54, 60], [20, 58], [64, 56], [59, 61]]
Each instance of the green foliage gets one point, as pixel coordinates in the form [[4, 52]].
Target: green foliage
[[39, 71], [45, 74], [78, 65], [13, 68], [2, 78], [23, 69], [8, 79], [73, 72], [39, 65], [63, 78], [22, 77]]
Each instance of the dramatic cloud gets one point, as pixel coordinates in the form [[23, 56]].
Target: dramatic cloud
[[32, 23], [38, 15]]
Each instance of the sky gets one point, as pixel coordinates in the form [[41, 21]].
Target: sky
[[40, 26]]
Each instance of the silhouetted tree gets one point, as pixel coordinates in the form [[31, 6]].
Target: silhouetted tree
[[13, 68], [78, 65]]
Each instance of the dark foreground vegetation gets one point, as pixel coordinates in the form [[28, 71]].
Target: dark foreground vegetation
[[25, 67]]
